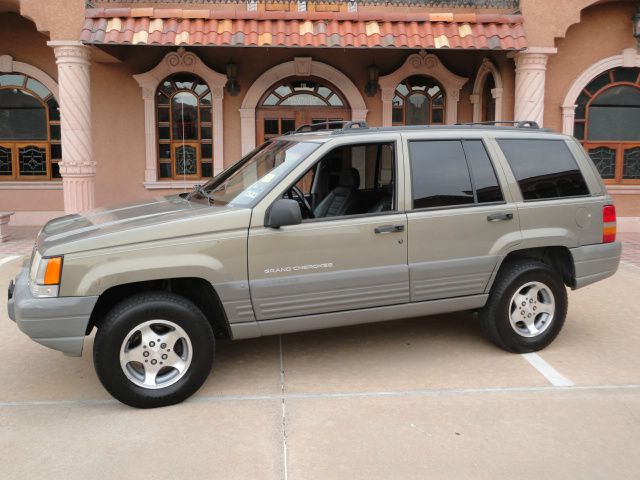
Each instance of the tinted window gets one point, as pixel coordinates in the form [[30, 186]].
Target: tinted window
[[440, 176], [544, 168], [484, 177]]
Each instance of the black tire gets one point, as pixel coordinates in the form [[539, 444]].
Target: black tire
[[134, 311], [494, 317]]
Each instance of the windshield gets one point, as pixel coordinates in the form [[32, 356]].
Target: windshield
[[245, 182]]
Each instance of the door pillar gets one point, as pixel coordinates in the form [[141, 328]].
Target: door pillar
[[78, 168], [531, 68]]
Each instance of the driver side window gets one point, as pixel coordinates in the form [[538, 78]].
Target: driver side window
[[349, 180]]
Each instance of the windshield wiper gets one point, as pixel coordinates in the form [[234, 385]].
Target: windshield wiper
[[197, 189]]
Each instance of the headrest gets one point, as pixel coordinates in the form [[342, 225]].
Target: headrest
[[350, 178]]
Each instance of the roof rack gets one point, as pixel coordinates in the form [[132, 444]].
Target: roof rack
[[344, 125], [517, 124]]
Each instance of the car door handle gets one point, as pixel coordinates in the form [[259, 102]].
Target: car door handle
[[499, 216], [389, 229]]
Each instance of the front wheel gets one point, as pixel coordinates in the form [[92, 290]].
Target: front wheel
[[526, 308], [153, 349]]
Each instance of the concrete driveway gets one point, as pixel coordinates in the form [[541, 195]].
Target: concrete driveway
[[423, 398]]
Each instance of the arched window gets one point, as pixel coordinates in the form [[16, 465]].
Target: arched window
[[292, 103], [185, 137], [607, 122], [29, 129], [418, 100]]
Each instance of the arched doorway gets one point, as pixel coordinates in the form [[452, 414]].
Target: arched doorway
[[418, 100], [488, 112], [607, 122], [298, 68], [295, 102], [487, 93]]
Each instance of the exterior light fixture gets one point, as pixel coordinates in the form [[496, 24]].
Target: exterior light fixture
[[371, 87], [233, 87], [636, 23]]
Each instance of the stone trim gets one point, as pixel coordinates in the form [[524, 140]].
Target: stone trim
[[422, 63], [629, 57], [171, 184], [299, 66], [487, 68], [176, 62], [31, 185], [623, 189], [24, 218], [9, 65]]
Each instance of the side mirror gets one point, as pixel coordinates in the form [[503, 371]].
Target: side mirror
[[284, 212]]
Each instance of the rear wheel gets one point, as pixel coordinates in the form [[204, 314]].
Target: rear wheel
[[527, 307], [153, 349]]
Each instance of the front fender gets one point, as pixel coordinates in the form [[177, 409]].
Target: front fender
[[217, 260]]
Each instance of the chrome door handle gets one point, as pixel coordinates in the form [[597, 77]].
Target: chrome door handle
[[499, 216], [389, 229]]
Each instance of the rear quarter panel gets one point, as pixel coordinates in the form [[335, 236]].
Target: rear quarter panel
[[569, 222]]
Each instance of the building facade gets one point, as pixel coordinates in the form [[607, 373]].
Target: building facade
[[109, 101]]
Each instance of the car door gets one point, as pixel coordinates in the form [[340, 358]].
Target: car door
[[329, 264], [460, 220]]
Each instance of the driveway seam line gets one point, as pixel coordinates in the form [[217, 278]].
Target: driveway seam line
[[283, 394], [341, 395]]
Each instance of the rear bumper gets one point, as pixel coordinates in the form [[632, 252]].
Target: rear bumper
[[595, 262], [59, 323]]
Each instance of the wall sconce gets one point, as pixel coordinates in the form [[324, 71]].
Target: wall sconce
[[233, 87], [636, 23], [371, 87]]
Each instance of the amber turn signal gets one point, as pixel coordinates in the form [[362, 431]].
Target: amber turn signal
[[53, 271]]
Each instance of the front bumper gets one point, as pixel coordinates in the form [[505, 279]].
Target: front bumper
[[593, 263], [59, 323]]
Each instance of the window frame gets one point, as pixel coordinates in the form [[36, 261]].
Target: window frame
[[396, 144], [475, 203], [15, 144], [411, 91], [530, 200], [173, 143], [617, 145]]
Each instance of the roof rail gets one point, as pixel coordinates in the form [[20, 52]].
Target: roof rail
[[517, 124], [330, 125]]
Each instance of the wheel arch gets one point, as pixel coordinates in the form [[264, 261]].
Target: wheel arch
[[195, 289], [557, 257]]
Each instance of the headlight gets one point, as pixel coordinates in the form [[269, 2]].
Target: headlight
[[44, 276]]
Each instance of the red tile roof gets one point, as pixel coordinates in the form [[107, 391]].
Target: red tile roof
[[156, 26]]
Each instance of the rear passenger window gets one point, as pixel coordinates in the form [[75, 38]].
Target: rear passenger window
[[544, 168], [484, 177], [447, 173], [439, 174]]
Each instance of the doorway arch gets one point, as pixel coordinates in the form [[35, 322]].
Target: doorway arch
[[299, 67]]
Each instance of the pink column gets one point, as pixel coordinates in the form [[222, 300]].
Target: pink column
[[531, 68], [77, 167]]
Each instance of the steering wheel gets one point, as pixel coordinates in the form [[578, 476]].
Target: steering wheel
[[303, 200]]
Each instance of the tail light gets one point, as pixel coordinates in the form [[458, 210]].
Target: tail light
[[609, 224]]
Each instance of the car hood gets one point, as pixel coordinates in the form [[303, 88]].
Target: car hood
[[128, 223]]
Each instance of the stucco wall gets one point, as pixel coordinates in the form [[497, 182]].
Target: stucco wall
[[118, 109], [604, 31]]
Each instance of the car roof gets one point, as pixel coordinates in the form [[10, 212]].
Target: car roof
[[361, 128]]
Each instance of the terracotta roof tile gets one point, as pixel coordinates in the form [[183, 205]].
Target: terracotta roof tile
[[163, 26], [141, 12]]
